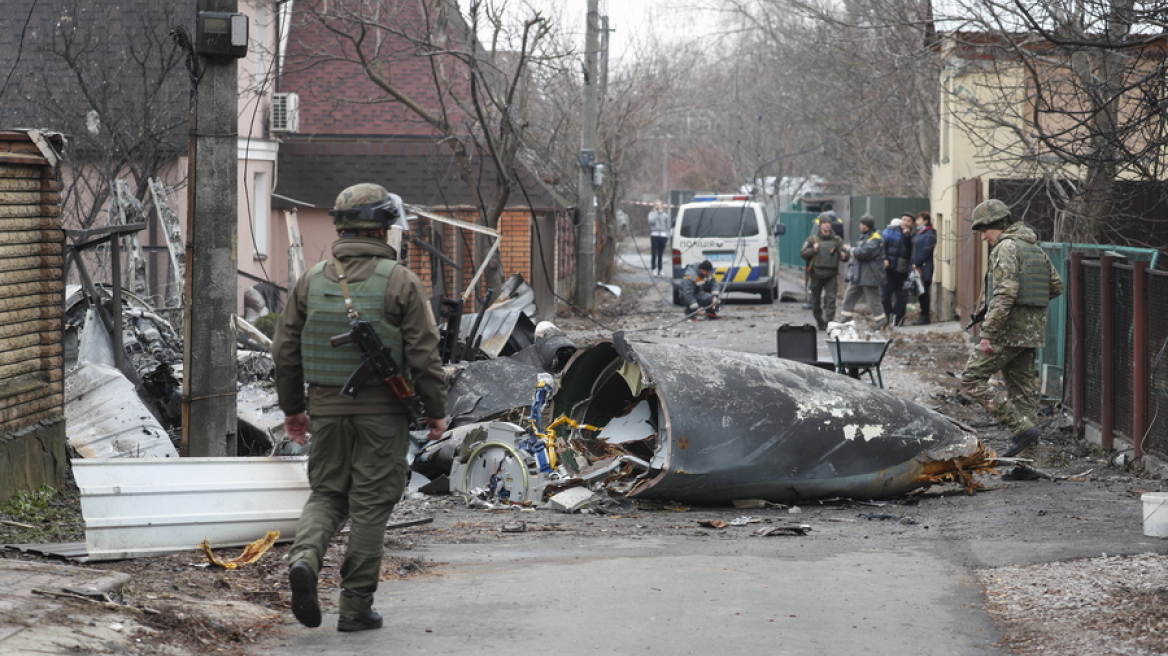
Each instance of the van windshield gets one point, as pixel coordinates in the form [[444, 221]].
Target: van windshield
[[719, 222]]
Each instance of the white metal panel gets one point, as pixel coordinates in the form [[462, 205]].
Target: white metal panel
[[104, 418], [149, 506]]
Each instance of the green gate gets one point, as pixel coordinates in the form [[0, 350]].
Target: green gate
[[799, 226]]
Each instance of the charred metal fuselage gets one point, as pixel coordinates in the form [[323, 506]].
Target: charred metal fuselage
[[736, 425]]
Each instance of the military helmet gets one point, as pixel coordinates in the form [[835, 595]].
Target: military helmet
[[989, 213], [367, 206]]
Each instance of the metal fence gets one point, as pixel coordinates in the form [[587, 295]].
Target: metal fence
[[1116, 374], [1053, 355]]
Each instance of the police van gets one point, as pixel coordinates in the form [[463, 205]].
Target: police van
[[735, 234]]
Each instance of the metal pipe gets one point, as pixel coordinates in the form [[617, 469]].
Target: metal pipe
[[1106, 365], [1078, 325], [1139, 356], [116, 311]]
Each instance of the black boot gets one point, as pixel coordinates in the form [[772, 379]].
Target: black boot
[[1021, 441], [370, 620], [305, 606]]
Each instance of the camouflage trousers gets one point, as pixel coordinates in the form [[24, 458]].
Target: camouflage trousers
[[823, 292], [1015, 408], [356, 469]]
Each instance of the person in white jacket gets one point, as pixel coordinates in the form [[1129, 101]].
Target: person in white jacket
[[658, 235]]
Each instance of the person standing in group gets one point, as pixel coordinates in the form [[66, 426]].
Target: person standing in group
[[897, 264], [865, 273], [658, 236], [357, 466], [823, 252], [837, 224], [924, 242], [1020, 281]]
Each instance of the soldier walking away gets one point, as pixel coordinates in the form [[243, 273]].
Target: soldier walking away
[[1020, 282], [360, 432], [865, 273], [823, 252]]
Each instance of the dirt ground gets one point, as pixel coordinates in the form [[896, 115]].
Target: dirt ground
[[1048, 600]]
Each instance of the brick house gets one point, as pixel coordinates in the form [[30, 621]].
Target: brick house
[[349, 131]]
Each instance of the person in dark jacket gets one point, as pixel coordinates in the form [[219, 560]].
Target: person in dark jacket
[[357, 467], [897, 265], [866, 273], [698, 291], [924, 242]]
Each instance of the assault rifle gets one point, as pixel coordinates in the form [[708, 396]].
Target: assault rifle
[[975, 319], [377, 360]]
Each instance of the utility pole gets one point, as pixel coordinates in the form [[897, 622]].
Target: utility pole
[[605, 31], [586, 212], [210, 414]]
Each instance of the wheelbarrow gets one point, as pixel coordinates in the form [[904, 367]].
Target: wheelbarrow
[[856, 358]]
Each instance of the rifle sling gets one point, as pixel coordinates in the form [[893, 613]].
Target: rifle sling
[[343, 281]]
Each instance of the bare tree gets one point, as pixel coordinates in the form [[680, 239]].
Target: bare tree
[[114, 84], [476, 68], [846, 91], [640, 97], [1079, 89]]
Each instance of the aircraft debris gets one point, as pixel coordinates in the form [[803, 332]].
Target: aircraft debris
[[697, 425], [800, 529], [137, 507]]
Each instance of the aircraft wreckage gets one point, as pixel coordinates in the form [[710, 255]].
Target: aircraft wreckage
[[700, 425]]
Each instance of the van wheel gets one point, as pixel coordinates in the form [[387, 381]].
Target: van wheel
[[768, 296]]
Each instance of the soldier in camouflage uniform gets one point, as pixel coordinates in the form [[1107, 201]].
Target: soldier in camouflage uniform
[[1019, 285], [357, 460]]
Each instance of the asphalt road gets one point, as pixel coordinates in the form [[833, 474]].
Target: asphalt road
[[673, 596], [852, 585]]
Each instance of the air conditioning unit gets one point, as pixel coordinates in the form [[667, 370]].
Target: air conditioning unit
[[285, 112]]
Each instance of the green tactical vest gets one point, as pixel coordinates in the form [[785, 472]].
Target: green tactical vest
[[1033, 279], [331, 366], [828, 255]]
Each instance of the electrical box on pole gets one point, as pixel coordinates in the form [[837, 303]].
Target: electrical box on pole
[[221, 35]]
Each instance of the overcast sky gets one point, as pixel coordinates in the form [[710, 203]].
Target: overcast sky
[[633, 21]]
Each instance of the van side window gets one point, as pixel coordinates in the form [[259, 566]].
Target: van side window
[[719, 222]]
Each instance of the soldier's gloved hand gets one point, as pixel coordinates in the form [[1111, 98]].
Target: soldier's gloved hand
[[437, 426], [296, 427]]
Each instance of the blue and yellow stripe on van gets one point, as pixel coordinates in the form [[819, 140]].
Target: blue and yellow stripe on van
[[737, 274]]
